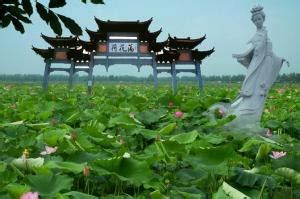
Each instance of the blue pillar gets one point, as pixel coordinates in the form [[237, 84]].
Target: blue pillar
[[46, 74], [174, 80], [71, 74], [90, 75], [154, 66], [198, 75]]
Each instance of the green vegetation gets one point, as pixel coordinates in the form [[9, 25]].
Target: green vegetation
[[18, 13], [126, 141], [284, 78]]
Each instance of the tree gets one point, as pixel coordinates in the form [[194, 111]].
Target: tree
[[18, 12]]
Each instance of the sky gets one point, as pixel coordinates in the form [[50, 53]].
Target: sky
[[226, 23]]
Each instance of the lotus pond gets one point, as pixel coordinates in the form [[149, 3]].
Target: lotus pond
[[126, 141]]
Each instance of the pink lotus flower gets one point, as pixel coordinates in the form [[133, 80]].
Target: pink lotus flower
[[30, 195], [178, 114], [269, 133], [277, 154], [49, 150]]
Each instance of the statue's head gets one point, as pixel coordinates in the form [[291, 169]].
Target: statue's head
[[258, 16]]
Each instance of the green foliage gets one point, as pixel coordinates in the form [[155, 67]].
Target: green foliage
[[12, 12], [127, 169], [69, 23], [150, 117], [167, 129], [27, 7], [54, 23], [48, 185], [16, 190], [42, 12], [18, 25], [120, 142], [263, 152], [57, 3], [185, 138], [65, 166], [252, 179], [79, 195], [289, 174], [232, 192]]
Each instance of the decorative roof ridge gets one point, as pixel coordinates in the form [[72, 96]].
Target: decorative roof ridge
[[84, 41], [94, 32], [88, 30], [117, 26], [113, 22], [71, 37], [162, 42], [186, 38], [60, 41], [44, 53], [156, 32], [200, 55], [197, 50], [35, 48]]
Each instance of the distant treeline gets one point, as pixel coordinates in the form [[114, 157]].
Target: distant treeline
[[288, 78]]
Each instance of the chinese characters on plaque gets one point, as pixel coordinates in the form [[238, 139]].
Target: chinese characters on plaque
[[119, 47]]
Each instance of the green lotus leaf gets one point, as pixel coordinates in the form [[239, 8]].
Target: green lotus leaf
[[147, 133], [150, 117], [220, 194], [16, 190], [3, 166], [263, 152], [65, 166], [185, 138], [48, 185], [214, 138], [233, 192], [167, 129], [251, 178], [250, 144], [290, 174], [213, 156], [79, 195], [127, 169], [123, 120], [54, 137], [29, 163], [157, 195], [190, 105]]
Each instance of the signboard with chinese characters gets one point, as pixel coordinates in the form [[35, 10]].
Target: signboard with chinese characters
[[123, 47]]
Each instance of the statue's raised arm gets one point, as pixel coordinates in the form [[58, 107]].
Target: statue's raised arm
[[244, 58]]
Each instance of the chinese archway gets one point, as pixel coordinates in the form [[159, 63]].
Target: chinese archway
[[123, 42]]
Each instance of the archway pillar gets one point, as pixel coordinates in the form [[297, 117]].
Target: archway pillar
[[71, 74], [46, 74], [154, 67], [90, 75], [174, 80], [198, 75]]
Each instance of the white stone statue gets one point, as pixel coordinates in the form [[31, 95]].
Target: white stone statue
[[263, 67]]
